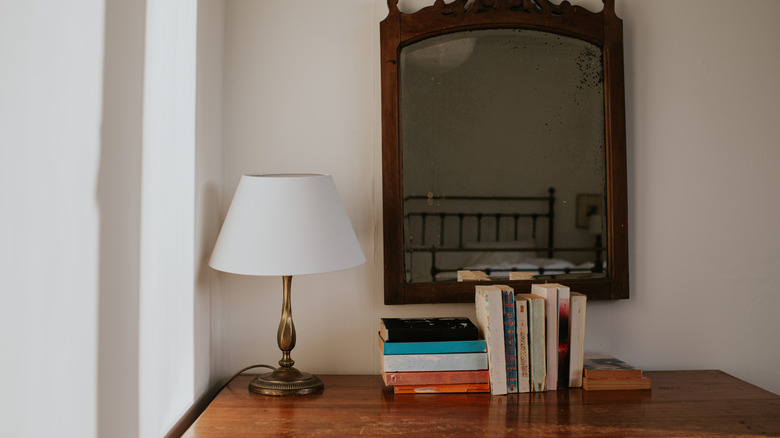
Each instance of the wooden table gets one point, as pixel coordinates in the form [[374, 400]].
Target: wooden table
[[681, 403]]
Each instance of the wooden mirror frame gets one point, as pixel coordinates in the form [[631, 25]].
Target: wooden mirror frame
[[603, 29]]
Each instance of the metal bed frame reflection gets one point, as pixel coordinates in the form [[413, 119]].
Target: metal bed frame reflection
[[432, 228]]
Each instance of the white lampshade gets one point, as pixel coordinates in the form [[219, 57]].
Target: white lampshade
[[289, 224]]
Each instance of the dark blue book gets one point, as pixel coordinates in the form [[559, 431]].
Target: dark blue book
[[428, 329], [510, 338]]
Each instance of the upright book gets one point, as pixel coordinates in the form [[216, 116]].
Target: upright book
[[510, 338], [490, 322], [427, 329], [577, 304], [563, 335], [536, 340], [550, 294], [523, 356]]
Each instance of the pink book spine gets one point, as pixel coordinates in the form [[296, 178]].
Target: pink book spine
[[563, 335]]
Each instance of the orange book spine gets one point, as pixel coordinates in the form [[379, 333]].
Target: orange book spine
[[441, 389], [435, 377]]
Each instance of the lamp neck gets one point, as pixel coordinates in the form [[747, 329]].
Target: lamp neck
[[286, 334]]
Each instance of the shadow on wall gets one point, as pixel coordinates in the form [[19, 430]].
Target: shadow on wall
[[119, 203]]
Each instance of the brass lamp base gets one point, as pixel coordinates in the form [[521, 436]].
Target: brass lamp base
[[286, 381]]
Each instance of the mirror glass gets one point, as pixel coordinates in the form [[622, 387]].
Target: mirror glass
[[503, 155]]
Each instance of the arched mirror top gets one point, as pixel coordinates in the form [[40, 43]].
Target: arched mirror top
[[442, 17], [413, 262]]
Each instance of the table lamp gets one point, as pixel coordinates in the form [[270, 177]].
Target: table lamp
[[285, 225]]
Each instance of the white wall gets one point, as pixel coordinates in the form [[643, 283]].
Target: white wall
[[50, 113], [703, 109], [292, 104], [302, 94], [209, 362], [72, 304], [119, 198], [166, 303]]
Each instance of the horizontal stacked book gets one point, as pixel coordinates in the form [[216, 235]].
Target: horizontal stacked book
[[520, 343], [608, 373], [535, 341], [433, 355]]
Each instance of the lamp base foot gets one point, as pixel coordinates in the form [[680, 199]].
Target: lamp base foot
[[285, 381]]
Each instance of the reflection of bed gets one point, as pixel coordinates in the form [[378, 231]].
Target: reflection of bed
[[495, 235]]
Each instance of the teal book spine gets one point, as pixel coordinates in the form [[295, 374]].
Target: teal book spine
[[434, 362], [478, 346]]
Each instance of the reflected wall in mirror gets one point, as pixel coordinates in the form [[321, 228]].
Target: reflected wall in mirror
[[503, 148], [490, 119]]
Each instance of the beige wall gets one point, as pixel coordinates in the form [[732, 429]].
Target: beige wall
[[703, 107], [301, 93], [50, 219]]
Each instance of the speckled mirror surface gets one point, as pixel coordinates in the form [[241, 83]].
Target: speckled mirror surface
[[489, 114]]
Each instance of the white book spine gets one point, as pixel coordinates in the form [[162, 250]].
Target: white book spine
[[577, 352], [490, 322], [550, 295], [523, 350], [434, 362], [538, 347]]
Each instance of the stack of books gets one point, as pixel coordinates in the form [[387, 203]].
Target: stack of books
[[608, 373], [535, 341], [433, 355]]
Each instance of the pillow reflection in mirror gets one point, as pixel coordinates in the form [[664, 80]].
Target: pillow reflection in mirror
[[438, 56], [517, 261]]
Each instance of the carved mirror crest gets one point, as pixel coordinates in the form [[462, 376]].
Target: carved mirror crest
[[503, 148]]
